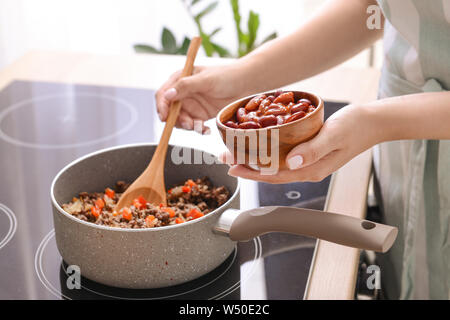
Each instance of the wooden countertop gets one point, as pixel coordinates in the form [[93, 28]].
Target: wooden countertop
[[334, 268]]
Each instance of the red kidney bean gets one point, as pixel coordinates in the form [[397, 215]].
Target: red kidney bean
[[240, 115], [305, 100], [296, 116], [299, 107], [266, 121], [280, 120], [278, 92], [264, 111], [251, 116], [249, 125], [264, 104], [231, 124], [253, 104], [285, 98], [276, 111]]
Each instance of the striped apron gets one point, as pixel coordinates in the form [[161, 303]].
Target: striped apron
[[414, 175]]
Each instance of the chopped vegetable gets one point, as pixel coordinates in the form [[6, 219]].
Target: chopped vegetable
[[110, 192], [99, 203], [170, 211], [149, 220], [126, 214], [140, 202], [95, 211], [179, 220], [191, 183], [186, 189], [194, 214]]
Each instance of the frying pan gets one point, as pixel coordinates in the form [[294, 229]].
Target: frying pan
[[160, 257]]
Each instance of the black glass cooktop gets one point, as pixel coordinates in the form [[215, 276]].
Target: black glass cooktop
[[44, 126]]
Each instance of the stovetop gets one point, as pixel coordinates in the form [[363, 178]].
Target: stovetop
[[44, 126]]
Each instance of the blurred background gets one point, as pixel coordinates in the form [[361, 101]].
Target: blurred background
[[117, 26]]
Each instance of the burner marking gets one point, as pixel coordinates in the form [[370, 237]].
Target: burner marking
[[40, 272], [12, 225], [7, 138]]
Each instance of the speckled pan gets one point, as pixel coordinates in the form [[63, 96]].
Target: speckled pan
[[138, 258]]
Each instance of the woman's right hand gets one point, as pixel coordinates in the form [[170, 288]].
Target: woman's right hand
[[203, 94]]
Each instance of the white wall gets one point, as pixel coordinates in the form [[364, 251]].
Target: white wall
[[113, 26]]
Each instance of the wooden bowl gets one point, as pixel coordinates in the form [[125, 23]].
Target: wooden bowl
[[265, 149]]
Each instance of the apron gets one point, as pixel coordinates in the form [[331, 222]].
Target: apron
[[414, 175]]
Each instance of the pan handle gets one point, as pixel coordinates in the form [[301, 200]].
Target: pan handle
[[338, 228]]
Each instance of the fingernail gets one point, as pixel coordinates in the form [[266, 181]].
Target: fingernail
[[170, 93], [186, 125], [295, 162]]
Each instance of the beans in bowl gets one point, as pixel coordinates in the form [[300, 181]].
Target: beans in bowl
[[185, 202], [265, 111]]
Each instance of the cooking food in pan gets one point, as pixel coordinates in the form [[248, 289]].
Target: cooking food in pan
[[265, 111], [185, 202]]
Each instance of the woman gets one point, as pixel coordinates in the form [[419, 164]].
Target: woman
[[408, 123]]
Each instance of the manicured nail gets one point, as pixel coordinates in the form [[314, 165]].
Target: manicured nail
[[170, 93], [295, 162]]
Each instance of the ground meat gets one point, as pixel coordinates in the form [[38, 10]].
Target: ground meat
[[185, 202]]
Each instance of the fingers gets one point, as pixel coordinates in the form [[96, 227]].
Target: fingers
[[310, 152], [162, 103], [313, 173]]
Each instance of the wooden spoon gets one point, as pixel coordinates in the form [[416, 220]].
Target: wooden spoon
[[150, 184]]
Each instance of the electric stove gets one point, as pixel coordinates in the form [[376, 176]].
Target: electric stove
[[44, 126]]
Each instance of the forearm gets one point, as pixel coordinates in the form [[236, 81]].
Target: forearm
[[337, 32], [415, 116]]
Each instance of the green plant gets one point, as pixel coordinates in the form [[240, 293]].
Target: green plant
[[246, 40], [169, 45]]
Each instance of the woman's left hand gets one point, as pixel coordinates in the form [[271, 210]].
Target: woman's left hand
[[347, 133]]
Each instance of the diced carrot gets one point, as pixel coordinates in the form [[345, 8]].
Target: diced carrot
[[74, 199], [194, 213], [178, 220], [149, 219], [95, 212], [170, 211], [161, 205], [126, 214], [142, 200], [110, 192], [186, 189], [115, 213], [99, 203], [191, 183], [169, 191]]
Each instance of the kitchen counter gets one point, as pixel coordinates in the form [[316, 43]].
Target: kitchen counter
[[334, 267]]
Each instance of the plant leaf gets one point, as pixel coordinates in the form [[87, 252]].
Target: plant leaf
[[207, 10], [269, 37], [168, 41], [214, 32], [253, 25], [223, 52], [184, 46], [194, 2], [144, 48], [206, 43]]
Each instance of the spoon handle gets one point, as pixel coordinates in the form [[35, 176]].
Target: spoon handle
[[175, 106]]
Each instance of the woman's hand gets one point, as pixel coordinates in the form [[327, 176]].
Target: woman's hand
[[347, 133], [203, 94]]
